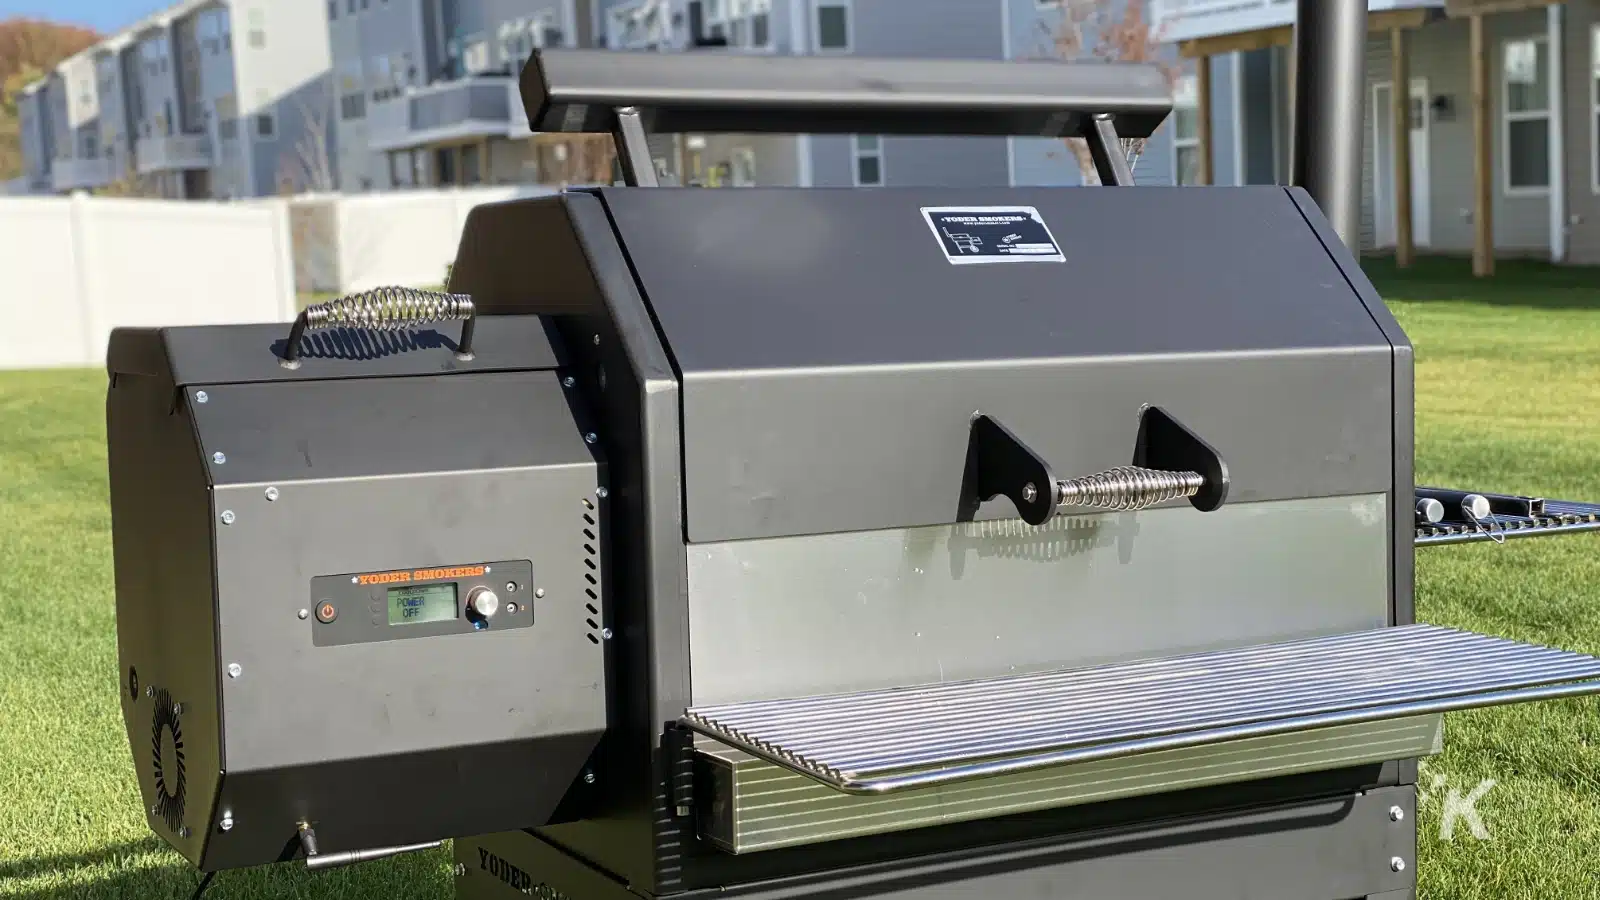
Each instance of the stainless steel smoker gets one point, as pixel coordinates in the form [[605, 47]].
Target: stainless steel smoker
[[891, 543]]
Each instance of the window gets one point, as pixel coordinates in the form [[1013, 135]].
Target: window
[[226, 109], [266, 126], [349, 7], [869, 160], [1526, 104], [258, 29], [1186, 132], [742, 167], [475, 56], [833, 26], [333, 10], [352, 91]]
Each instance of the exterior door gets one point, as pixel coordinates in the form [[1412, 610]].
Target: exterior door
[[1383, 165]]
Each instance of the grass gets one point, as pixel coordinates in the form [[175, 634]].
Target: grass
[[1508, 379]]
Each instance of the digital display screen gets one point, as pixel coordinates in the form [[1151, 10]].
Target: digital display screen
[[414, 604]]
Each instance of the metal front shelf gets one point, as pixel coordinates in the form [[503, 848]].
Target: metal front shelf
[[886, 741], [1560, 517]]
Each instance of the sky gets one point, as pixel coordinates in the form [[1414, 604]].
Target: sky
[[105, 16]]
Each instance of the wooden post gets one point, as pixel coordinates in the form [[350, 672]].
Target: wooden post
[[1203, 116], [1482, 170], [1401, 94]]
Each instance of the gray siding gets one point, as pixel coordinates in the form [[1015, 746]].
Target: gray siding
[[1259, 137]]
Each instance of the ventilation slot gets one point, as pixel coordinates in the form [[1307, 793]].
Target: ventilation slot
[[166, 761], [591, 559]]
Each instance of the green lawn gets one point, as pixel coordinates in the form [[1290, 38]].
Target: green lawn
[[1508, 398]]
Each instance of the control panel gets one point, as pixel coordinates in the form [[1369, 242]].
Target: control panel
[[423, 602]]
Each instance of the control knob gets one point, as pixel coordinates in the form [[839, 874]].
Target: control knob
[[483, 603]]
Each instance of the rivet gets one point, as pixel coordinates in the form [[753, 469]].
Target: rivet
[[183, 832], [588, 778], [1397, 865], [201, 396], [605, 633], [235, 670], [155, 809], [272, 493], [569, 381], [539, 592], [597, 340], [150, 690], [1396, 814], [601, 492], [304, 613], [590, 438], [227, 517], [227, 822], [177, 709], [219, 457]]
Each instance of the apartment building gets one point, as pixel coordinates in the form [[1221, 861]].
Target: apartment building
[[1538, 81], [36, 136], [178, 107], [428, 92]]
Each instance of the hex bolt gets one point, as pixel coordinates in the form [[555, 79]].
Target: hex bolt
[[569, 381], [272, 494], [601, 492], [201, 397], [227, 822], [219, 457], [235, 670], [1397, 865], [1396, 814], [590, 438], [304, 613], [227, 517], [605, 633]]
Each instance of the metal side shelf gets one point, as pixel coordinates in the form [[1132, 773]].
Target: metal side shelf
[[887, 741], [1558, 517]]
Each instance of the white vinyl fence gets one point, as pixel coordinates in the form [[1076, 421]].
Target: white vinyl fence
[[357, 242], [75, 268]]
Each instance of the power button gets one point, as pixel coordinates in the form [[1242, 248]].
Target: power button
[[326, 612]]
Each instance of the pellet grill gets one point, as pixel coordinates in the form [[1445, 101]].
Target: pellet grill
[[933, 542]]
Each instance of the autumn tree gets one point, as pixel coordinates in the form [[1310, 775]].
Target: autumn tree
[[1108, 31], [29, 48]]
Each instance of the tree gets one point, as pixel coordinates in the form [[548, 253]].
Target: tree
[[1108, 31], [29, 48], [307, 165]]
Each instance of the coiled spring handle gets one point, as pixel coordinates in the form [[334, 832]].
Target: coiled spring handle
[[1128, 488], [384, 309]]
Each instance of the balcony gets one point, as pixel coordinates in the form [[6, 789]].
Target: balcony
[[81, 174], [1188, 20], [175, 153], [474, 107]]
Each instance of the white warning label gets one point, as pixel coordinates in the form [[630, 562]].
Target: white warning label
[[991, 234]]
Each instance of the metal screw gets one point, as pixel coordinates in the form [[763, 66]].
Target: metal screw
[[155, 809], [605, 633], [272, 493], [183, 832], [568, 381], [227, 822], [539, 592], [1397, 865], [201, 396], [177, 709], [219, 457], [461, 870], [304, 613], [235, 670], [597, 340], [150, 690], [227, 517], [1396, 814], [590, 438], [601, 492], [1029, 493], [588, 778]]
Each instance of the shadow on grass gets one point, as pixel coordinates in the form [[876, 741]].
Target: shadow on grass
[[1516, 283]]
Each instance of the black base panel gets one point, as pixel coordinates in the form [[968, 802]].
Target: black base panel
[[1335, 848], [419, 798]]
